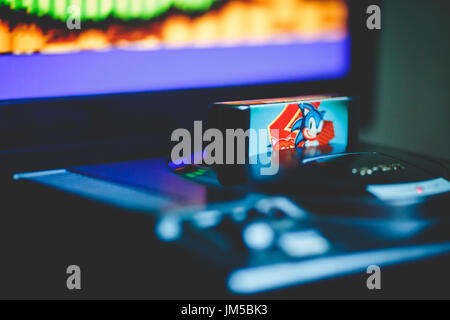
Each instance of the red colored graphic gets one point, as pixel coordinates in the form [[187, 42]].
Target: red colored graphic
[[285, 139]]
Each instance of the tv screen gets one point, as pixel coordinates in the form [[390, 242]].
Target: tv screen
[[60, 48]]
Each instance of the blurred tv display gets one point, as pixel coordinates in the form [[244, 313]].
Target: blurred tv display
[[153, 45]]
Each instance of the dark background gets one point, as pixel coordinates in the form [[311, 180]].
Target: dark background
[[412, 97], [43, 231]]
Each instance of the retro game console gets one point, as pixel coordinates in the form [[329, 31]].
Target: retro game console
[[334, 206], [319, 159]]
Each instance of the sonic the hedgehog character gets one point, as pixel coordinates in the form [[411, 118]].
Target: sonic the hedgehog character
[[309, 126]]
